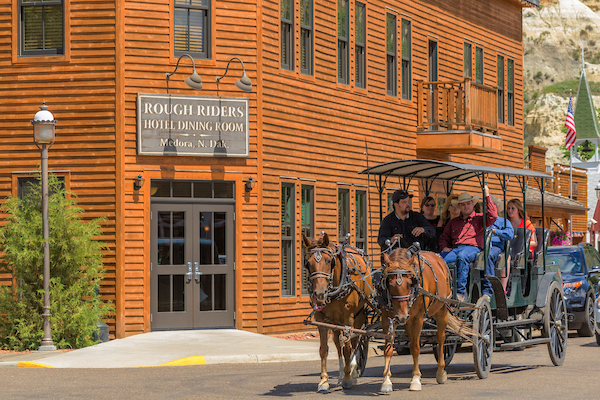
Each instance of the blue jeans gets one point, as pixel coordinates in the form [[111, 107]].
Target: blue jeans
[[462, 256], [486, 286]]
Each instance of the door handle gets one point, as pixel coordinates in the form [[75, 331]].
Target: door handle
[[197, 272], [189, 273]]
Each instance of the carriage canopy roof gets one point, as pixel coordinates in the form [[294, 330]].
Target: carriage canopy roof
[[445, 170]]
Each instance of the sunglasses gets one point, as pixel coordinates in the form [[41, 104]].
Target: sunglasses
[[429, 205]]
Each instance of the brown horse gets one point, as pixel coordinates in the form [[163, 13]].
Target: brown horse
[[404, 272], [338, 297]]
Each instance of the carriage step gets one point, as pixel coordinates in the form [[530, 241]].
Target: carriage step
[[516, 322], [529, 342]]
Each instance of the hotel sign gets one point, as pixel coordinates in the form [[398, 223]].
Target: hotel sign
[[192, 126]]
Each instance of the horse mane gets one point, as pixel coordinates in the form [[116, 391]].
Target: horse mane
[[400, 255]]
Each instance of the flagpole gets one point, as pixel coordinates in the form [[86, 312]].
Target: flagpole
[[571, 173], [571, 169]]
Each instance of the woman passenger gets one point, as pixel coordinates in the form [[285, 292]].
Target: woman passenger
[[516, 216], [429, 211], [448, 212]]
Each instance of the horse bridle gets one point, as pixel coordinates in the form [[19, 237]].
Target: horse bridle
[[328, 276], [399, 274]]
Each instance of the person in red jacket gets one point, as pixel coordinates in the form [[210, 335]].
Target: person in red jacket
[[462, 238]]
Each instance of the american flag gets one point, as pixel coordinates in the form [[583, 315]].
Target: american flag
[[570, 124]]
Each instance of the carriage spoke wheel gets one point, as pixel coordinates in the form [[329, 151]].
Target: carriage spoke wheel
[[555, 324], [450, 347], [484, 342], [362, 353]]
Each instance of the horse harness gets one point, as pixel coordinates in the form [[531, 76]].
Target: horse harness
[[348, 284], [416, 287]]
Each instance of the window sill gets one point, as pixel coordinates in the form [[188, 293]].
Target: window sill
[[287, 72], [307, 78], [41, 59], [199, 62]]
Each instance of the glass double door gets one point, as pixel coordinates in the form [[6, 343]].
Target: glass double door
[[192, 266]]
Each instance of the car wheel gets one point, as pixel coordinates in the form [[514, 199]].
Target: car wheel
[[587, 326]]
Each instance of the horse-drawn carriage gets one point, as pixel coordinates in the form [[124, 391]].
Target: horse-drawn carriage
[[532, 313]]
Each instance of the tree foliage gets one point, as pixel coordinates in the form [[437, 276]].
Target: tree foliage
[[75, 269], [582, 155]]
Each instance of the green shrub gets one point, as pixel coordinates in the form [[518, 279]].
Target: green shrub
[[75, 270]]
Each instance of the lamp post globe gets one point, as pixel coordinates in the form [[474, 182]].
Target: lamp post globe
[[43, 126], [43, 137]]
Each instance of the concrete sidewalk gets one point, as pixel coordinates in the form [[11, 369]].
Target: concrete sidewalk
[[172, 348]]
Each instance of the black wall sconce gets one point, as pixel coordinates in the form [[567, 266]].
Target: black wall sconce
[[249, 185], [138, 183]]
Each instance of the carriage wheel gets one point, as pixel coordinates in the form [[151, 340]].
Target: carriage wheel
[[483, 343], [450, 347], [362, 353], [555, 324]]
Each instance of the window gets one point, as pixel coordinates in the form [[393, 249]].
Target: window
[[192, 28], [306, 37], [433, 89], [343, 213], [478, 65], [308, 224], [391, 54], [510, 87], [343, 47], [468, 61], [360, 44], [361, 220], [25, 185], [406, 61], [500, 89], [195, 189], [287, 35], [287, 239], [41, 27]]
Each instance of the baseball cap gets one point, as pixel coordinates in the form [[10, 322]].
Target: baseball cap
[[399, 195]]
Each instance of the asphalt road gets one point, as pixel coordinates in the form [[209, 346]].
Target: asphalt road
[[527, 374]]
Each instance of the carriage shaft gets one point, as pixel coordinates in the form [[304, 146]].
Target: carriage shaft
[[350, 329]]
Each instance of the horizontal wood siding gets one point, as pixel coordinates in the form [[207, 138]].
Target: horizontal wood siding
[[316, 128], [79, 89], [303, 129], [148, 49]]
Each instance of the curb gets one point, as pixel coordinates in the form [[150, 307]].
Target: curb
[[9, 364], [193, 360]]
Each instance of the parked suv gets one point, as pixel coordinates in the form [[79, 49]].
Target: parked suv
[[580, 268]]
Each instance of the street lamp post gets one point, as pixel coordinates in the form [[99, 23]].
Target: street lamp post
[[43, 135]]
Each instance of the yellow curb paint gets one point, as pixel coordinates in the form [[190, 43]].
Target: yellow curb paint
[[29, 364], [194, 360]]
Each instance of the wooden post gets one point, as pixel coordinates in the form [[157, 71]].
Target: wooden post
[[420, 99]]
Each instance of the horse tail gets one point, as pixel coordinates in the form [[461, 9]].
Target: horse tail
[[460, 327]]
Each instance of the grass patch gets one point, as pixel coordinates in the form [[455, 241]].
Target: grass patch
[[562, 88]]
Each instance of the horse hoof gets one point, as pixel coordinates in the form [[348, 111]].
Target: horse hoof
[[347, 384], [324, 388], [415, 384], [441, 377], [415, 387], [386, 388]]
